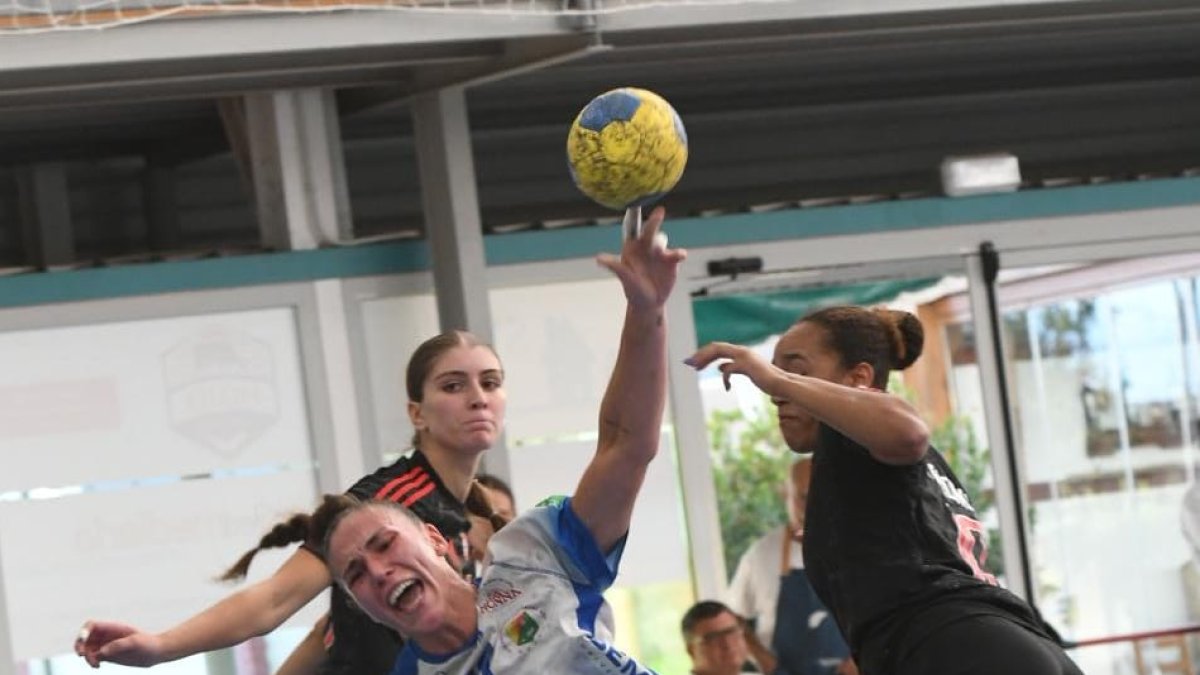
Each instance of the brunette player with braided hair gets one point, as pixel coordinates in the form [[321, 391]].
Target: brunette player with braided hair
[[893, 546], [455, 385]]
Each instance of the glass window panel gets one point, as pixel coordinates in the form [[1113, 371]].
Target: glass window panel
[[656, 549], [148, 556], [1100, 380], [558, 343], [393, 328]]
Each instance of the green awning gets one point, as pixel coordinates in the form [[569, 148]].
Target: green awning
[[750, 319]]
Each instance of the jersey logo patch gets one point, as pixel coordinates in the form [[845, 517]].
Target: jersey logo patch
[[522, 628]]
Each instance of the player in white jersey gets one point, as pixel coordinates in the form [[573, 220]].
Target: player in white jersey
[[539, 607]]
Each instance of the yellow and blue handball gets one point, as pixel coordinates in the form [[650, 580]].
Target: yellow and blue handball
[[627, 148]]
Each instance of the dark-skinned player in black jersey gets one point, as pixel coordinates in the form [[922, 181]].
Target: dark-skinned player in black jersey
[[893, 547]]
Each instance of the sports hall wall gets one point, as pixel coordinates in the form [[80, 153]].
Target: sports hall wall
[[163, 413]]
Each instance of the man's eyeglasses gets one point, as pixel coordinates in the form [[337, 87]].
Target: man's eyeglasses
[[714, 636]]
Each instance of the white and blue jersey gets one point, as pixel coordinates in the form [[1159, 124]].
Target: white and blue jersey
[[540, 605]]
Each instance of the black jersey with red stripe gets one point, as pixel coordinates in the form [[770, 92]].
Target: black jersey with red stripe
[[357, 645], [896, 552]]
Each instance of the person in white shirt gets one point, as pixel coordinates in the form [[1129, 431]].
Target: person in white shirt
[[771, 591]]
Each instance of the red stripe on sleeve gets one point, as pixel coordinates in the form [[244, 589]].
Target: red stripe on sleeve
[[415, 472], [418, 495]]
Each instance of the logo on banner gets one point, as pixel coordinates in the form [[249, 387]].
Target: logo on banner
[[221, 389]]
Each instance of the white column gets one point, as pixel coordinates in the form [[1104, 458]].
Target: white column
[[8, 660], [336, 430], [1007, 482], [452, 225], [694, 453], [298, 168]]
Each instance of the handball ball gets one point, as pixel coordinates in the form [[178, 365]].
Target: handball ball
[[627, 148]]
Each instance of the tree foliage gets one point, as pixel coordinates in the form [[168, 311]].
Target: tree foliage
[[750, 467]]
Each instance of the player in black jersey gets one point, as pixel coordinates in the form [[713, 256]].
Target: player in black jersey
[[455, 385], [892, 545]]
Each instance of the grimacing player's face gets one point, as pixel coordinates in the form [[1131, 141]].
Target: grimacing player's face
[[803, 351], [394, 568]]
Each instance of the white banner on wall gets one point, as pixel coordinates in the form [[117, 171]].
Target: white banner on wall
[[149, 398]]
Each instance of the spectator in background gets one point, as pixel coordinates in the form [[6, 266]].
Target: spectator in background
[[500, 494], [499, 501], [719, 641], [771, 590]]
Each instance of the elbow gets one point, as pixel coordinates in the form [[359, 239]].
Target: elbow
[[908, 446], [637, 447]]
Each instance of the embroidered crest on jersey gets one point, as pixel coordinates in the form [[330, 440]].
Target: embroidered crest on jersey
[[523, 628]]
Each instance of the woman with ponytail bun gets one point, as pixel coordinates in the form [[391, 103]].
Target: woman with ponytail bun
[[892, 545]]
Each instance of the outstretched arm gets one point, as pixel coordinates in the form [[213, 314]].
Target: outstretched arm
[[895, 433], [632, 410], [254, 610]]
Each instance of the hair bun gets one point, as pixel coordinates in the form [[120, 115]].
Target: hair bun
[[907, 336]]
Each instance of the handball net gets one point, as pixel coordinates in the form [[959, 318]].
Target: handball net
[[34, 16]]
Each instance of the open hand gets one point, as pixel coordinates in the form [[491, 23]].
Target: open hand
[[119, 643], [646, 268], [738, 360]]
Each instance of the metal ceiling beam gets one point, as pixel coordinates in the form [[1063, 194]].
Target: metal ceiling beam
[[166, 86], [885, 14], [517, 58]]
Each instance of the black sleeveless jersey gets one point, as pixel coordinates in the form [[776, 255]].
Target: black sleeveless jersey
[[895, 552], [356, 644]]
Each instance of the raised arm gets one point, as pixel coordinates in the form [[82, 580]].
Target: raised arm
[[895, 434], [631, 413], [254, 610]]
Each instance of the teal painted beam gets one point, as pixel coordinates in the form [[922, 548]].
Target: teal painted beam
[[547, 245], [908, 214], [37, 288]]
